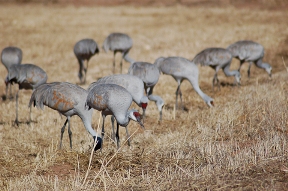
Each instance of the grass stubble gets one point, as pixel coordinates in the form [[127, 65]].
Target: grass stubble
[[240, 144]]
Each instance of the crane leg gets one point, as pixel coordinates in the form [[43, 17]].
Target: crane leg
[[85, 71], [218, 84], [117, 135], [10, 91], [113, 132], [121, 65], [177, 92], [69, 133], [215, 81], [250, 64], [128, 136], [102, 131], [80, 74], [62, 132], [16, 119], [241, 63], [114, 62]]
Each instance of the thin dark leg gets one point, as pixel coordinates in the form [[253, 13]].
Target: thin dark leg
[[218, 83], [113, 132], [114, 62], [102, 131], [6, 90], [10, 90], [69, 133], [128, 136], [117, 136], [241, 63], [62, 131], [85, 71], [80, 74], [250, 64], [180, 93], [16, 120], [177, 92]]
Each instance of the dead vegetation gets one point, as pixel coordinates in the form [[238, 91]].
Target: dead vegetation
[[240, 144]]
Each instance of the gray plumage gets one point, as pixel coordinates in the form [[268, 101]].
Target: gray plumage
[[27, 76], [68, 99], [84, 50], [252, 52], [149, 73], [217, 58], [132, 84], [112, 99], [180, 69], [119, 42], [9, 56]]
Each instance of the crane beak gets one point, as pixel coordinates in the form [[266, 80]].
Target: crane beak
[[98, 143], [139, 121]]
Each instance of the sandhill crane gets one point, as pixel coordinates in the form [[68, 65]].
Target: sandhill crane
[[27, 76], [9, 56], [180, 69], [119, 42], [149, 73], [252, 52], [132, 84], [84, 50], [217, 58], [68, 99], [112, 99]]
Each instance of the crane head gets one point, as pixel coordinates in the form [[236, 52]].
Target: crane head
[[98, 143], [268, 69], [135, 115]]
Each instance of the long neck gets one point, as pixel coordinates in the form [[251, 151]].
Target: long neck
[[87, 121], [159, 101], [261, 64], [123, 120], [128, 59], [229, 72], [196, 87]]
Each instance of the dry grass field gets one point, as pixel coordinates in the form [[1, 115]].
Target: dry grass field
[[240, 144]]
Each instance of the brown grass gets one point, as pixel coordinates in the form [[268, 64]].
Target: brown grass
[[240, 144]]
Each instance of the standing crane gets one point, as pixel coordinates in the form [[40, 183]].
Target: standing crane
[[119, 42], [217, 58], [132, 84], [149, 73], [27, 76], [180, 69], [9, 56], [68, 99], [112, 99], [84, 50], [252, 52]]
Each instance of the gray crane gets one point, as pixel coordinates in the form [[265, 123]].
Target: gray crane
[[84, 50], [68, 99], [252, 52], [9, 56], [180, 69], [119, 42], [149, 73], [112, 99], [132, 84], [27, 76], [217, 58]]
